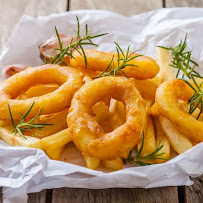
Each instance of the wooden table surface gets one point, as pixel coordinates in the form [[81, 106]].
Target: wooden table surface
[[11, 11]]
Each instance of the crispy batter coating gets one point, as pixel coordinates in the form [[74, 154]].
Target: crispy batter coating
[[98, 61], [167, 96], [88, 135], [69, 80]]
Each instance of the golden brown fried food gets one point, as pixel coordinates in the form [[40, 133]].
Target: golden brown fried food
[[164, 59], [17, 140], [56, 153], [117, 115], [91, 162], [38, 90], [154, 110], [147, 89], [101, 111], [179, 142], [149, 145], [56, 140], [167, 96], [70, 80], [161, 139], [116, 164], [88, 135], [58, 121], [98, 61]]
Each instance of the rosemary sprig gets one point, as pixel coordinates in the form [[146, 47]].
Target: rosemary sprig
[[78, 45], [141, 160], [22, 126], [122, 62], [182, 60], [196, 100]]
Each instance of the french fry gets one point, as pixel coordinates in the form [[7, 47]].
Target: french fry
[[149, 139], [16, 140], [41, 89], [147, 88], [148, 104], [38, 90], [164, 60], [101, 111], [55, 153], [154, 110], [57, 119], [156, 80], [105, 126], [195, 113], [57, 140], [161, 139], [88, 72], [179, 142], [114, 165], [117, 115], [87, 79], [91, 162], [22, 96]]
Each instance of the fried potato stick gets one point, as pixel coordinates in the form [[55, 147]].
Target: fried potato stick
[[161, 139]]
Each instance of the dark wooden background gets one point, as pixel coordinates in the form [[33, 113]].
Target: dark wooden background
[[11, 11]]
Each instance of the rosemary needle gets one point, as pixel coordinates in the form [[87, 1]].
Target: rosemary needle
[[181, 60], [141, 160], [184, 64], [196, 100], [77, 45], [22, 126], [122, 62]]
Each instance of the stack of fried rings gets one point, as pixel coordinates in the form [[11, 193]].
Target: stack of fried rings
[[86, 133]]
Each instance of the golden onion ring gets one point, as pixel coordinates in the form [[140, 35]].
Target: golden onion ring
[[167, 96], [69, 80], [89, 136], [98, 61]]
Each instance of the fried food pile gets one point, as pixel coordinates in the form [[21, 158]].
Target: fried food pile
[[115, 107]]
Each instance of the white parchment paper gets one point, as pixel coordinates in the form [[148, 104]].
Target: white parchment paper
[[25, 170]]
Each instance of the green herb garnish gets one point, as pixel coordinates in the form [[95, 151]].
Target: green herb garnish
[[122, 62], [22, 126], [141, 160], [78, 45], [182, 60], [196, 99], [184, 64]]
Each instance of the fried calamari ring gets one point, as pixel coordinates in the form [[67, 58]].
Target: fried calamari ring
[[167, 96], [98, 61], [69, 80], [88, 135]]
